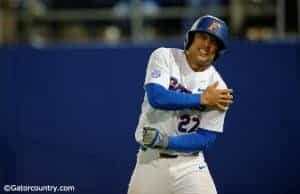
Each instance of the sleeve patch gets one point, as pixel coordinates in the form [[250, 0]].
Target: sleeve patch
[[155, 73]]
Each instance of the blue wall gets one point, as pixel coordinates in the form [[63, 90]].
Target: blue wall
[[68, 117]]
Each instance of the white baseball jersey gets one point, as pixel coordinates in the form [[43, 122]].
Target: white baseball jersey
[[186, 173], [168, 67]]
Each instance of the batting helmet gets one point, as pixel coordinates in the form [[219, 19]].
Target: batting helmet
[[211, 25]]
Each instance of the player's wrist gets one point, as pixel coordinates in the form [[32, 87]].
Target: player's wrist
[[203, 100], [153, 138]]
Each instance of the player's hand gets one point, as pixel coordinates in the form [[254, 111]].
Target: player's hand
[[152, 138], [218, 99]]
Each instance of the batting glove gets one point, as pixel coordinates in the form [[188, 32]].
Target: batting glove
[[153, 138]]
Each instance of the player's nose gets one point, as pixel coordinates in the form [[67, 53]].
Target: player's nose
[[207, 43]]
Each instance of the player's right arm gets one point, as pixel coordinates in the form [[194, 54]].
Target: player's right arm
[[157, 83], [161, 98]]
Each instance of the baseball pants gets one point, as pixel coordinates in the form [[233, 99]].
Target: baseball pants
[[154, 174]]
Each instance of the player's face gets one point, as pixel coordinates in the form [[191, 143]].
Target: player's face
[[202, 51]]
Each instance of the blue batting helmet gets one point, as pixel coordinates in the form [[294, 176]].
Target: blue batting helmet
[[211, 25]]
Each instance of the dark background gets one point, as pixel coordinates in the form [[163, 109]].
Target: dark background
[[68, 116]]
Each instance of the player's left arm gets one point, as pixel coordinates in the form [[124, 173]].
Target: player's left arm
[[199, 140], [193, 142]]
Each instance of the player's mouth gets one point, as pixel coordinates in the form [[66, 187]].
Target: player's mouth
[[203, 53]]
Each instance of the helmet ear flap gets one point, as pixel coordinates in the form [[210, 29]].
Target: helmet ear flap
[[189, 39], [216, 56]]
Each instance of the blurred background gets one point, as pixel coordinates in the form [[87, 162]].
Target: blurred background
[[55, 21], [71, 88]]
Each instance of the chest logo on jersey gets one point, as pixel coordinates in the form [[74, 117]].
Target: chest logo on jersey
[[175, 86]]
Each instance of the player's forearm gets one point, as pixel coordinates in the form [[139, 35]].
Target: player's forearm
[[161, 98], [193, 142]]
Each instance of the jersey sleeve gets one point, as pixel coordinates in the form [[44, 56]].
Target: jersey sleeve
[[158, 68], [213, 120]]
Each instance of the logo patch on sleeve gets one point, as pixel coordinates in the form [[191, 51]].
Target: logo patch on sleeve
[[155, 73]]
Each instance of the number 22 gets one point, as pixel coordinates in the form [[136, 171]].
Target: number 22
[[185, 120]]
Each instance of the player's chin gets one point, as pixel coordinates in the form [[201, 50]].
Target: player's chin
[[204, 61]]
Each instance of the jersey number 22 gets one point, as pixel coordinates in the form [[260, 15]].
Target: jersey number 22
[[188, 123]]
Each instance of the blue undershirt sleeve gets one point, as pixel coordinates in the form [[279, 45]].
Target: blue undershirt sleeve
[[192, 142], [161, 98]]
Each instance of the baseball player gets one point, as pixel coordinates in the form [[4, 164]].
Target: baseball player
[[183, 111]]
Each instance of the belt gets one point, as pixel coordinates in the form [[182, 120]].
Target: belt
[[165, 155]]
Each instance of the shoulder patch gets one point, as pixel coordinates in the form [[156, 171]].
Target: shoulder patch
[[155, 73]]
